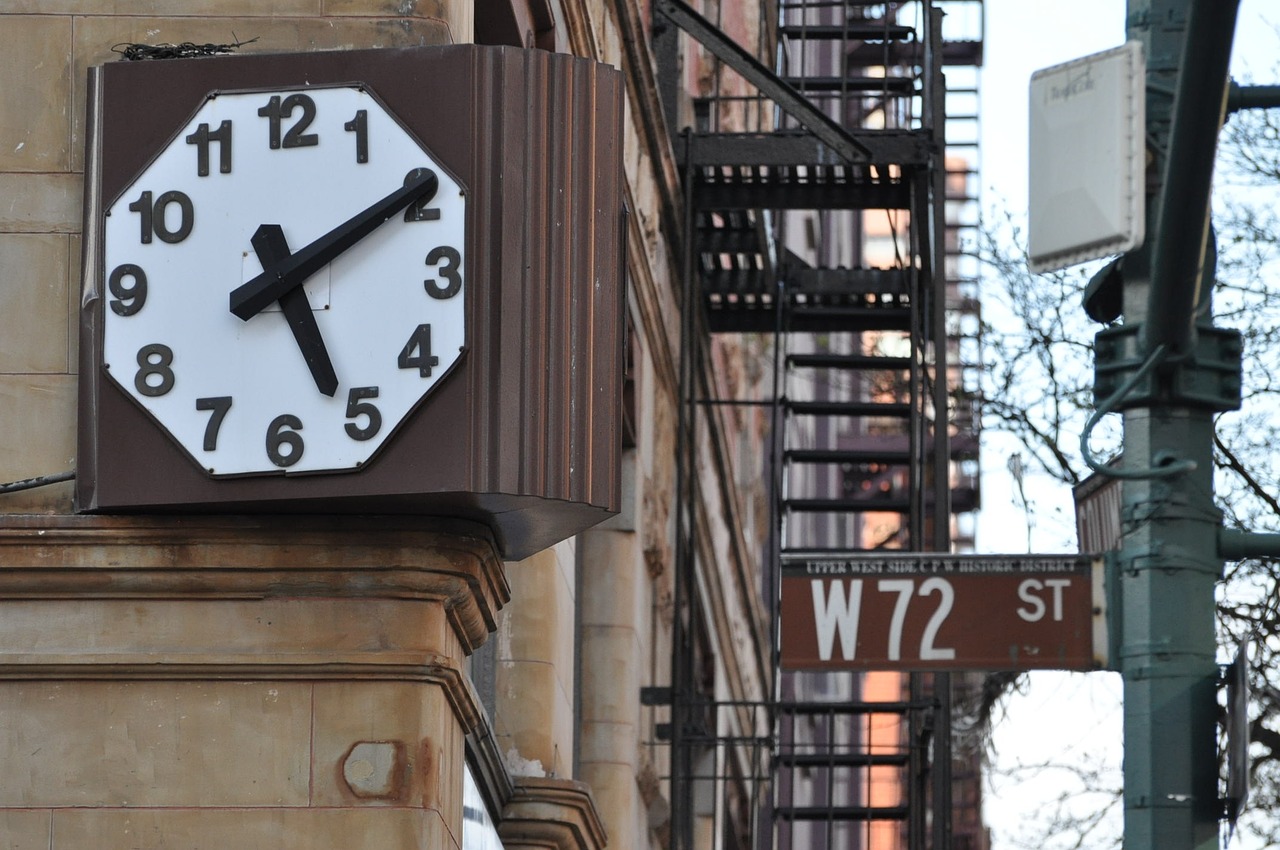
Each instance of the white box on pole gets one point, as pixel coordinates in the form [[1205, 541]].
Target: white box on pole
[[1087, 158]]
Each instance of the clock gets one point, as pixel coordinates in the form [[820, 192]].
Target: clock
[[285, 281], [355, 282]]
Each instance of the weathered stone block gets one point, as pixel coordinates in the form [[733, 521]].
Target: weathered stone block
[[535, 719], [38, 412], [34, 274], [75, 277], [616, 743], [176, 8], [612, 589], [414, 717], [25, 830], [50, 203], [86, 743], [611, 674], [35, 116], [250, 829], [541, 626]]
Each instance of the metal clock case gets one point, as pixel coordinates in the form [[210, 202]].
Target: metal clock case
[[381, 281]]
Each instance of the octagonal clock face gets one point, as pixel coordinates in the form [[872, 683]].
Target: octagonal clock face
[[285, 281]]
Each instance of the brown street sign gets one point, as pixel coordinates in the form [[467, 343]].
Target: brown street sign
[[1098, 503], [921, 611]]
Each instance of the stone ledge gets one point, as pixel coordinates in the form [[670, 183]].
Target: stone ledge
[[554, 814], [386, 828], [218, 558]]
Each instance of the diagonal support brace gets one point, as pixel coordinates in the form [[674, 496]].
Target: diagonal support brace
[[791, 101]]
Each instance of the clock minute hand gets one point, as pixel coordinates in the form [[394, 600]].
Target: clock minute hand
[[251, 298]]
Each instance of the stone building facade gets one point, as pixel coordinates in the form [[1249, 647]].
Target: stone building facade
[[332, 682]]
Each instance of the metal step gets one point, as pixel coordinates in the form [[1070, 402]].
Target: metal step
[[965, 447], [842, 760], [894, 86], [735, 238], [890, 449], [858, 362], [733, 232], [851, 456], [965, 499], [892, 283], [882, 445], [899, 505], [963, 52], [878, 54], [760, 316], [899, 409], [742, 282], [807, 5], [816, 187], [796, 148], [825, 318], [840, 813], [853, 31], [960, 53], [814, 708]]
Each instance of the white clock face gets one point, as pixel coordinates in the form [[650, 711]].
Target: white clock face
[[346, 315]]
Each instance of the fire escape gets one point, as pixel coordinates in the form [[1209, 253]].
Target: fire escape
[[830, 218]]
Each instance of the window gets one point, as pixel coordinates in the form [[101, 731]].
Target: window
[[478, 830]]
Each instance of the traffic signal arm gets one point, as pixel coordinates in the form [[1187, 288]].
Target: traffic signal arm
[[1182, 214], [1237, 545]]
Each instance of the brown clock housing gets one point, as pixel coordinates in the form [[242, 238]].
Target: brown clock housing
[[525, 435]]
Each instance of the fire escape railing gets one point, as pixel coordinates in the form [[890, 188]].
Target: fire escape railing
[[740, 277]]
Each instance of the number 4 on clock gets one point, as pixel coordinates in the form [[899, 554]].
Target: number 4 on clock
[[416, 353]]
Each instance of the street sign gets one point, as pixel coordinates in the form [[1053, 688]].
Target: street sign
[[922, 611], [1099, 500], [1237, 729]]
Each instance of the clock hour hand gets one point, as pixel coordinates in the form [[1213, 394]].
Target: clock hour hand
[[272, 248], [249, 299]]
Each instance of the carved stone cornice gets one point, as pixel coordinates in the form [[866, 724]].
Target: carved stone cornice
[[212, 558], [552, 814]]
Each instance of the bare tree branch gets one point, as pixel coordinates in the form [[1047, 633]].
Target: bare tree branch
[[1234, 464]]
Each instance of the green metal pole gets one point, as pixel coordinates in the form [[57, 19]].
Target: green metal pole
[[1169, 561], [1182, 211], [1169, 570]]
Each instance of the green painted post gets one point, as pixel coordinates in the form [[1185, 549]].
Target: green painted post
[[1168, 651], [1170, 562]]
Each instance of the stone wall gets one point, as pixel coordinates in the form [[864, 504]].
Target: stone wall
[[156, 753]]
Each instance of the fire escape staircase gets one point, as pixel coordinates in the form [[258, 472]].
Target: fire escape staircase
[[832, 148]]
